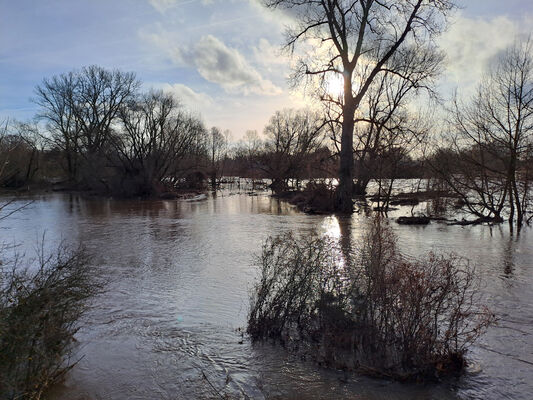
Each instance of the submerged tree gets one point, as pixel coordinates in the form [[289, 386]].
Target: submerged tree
[[493, 140], [377, 311], [356, 40], [291, 137]]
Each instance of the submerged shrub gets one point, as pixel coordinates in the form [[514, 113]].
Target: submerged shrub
[[40, 308], [375, 311]]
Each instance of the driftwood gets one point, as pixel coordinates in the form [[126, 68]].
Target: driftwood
[[413, 220], [478, 221], [405, 202]]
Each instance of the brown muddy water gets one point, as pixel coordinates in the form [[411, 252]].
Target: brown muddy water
[[179, 275]]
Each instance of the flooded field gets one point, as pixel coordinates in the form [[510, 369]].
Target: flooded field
[[169, 324]]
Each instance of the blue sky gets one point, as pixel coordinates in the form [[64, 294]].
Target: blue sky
[[220, 57]]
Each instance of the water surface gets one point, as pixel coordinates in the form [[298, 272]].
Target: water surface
[[169, 324]]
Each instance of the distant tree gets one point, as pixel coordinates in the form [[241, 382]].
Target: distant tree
[[356, 41], [217, 143], [80, 108], [154, 139], [19, 153], [291, 137], [246, 154]]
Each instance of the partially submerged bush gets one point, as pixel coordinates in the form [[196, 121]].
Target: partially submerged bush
[[316, 198], [39, 312], [376, 312]]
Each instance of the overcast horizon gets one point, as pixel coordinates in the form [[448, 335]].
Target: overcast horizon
[[220, 58]]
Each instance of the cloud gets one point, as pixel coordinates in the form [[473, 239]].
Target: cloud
[[269, 55], [279, 16], [164, 42], [471, 45], [254, 112], [217, 63], [227, 67], [192, 100]]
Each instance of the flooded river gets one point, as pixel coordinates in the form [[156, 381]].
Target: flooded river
[[168, 325]]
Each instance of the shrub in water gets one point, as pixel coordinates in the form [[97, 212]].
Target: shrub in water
[[375, 311], [39, 312]]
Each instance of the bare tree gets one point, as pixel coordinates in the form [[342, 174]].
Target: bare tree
[[356, 40], [55, 96], [493, 139], [291, 137], [155, 137], [80, 108], [246, 154], [19, 153], [217, 150]]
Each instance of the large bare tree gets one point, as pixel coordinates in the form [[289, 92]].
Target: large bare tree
[[154, 138], [80, 108], [356, 39]]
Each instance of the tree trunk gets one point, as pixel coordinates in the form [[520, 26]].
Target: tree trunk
[[343, 201], [360, 186]]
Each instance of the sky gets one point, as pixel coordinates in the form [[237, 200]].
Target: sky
[[221, 58]]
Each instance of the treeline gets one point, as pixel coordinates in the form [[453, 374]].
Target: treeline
[[96, 130]]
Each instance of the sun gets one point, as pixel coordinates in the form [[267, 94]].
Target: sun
[[334, 86]]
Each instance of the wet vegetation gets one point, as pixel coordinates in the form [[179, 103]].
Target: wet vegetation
[[41, 304], [371, 310]]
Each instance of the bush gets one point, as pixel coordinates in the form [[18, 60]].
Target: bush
[[376, 311], [39, 313]]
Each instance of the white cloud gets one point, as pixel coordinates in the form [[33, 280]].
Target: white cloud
[[217, 63], [164, 42], [277, 17], [253, 112], [227, 67], [270, 56], [471, 45], [192, 100]]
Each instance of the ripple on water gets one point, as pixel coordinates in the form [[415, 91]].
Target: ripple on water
[[179, 276]]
